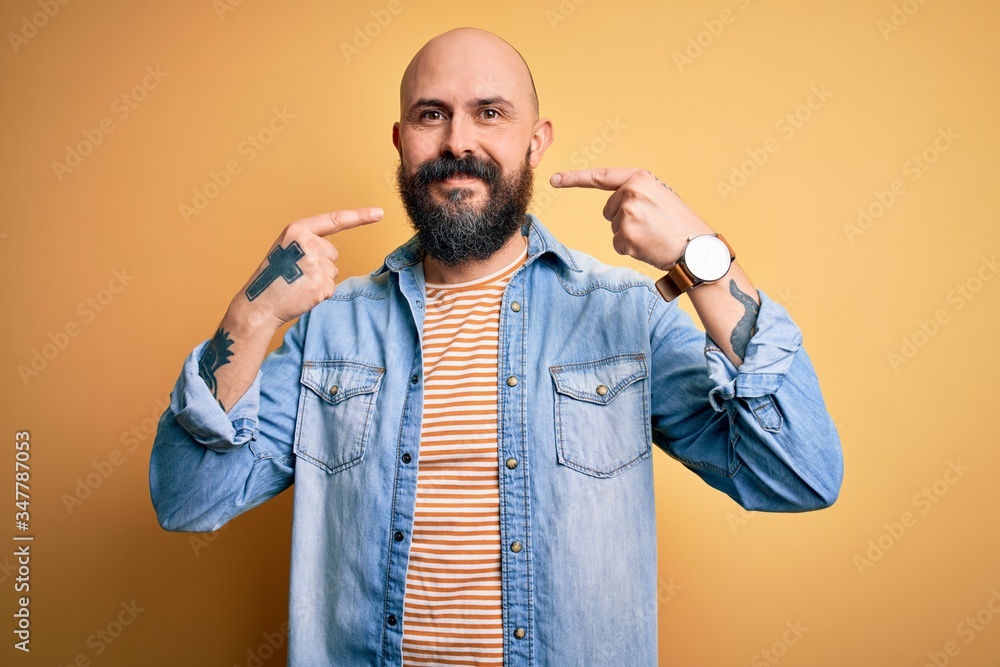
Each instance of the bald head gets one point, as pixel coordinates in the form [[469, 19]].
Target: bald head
[[478, 61]]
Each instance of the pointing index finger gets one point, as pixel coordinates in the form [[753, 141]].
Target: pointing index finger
[[603, 178], [337, 221]]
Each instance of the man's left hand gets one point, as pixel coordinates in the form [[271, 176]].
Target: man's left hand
[[648, 219]]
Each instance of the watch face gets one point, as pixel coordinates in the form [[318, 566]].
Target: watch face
[[707, 258]]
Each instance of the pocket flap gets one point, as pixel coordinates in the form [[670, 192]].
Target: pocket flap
[[335, 381], [599, 381]]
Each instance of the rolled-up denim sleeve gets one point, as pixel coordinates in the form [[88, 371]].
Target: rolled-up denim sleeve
[[199, 413], [208, 466], [760, 433]]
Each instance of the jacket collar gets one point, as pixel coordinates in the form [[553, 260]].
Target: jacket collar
[[540, 241]]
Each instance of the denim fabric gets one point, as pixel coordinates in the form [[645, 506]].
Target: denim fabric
[[604, 369]]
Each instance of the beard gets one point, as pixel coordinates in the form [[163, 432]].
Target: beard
[[456, 231]]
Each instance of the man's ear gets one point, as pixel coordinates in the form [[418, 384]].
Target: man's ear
[[395, 138], [541, 139]]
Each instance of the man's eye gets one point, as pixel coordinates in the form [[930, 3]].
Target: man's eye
[[431, 114], [491, 114]]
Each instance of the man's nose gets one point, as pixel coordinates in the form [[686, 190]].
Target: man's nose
[[459, 139]]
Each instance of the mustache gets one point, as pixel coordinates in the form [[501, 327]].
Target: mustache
[[447, 166]]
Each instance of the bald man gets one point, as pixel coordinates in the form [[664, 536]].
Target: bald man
[[469, 427]]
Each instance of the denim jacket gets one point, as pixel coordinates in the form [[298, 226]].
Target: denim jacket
[[594, 369]]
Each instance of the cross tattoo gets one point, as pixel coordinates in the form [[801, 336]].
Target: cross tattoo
[[281, 262]]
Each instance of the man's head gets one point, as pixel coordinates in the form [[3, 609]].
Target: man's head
[[468, 138]]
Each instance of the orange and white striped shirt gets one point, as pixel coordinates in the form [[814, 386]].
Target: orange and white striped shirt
[[452, 605]]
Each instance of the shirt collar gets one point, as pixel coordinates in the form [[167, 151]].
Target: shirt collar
[[540, 241]]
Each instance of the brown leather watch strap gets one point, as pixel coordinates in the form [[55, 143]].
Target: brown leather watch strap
[[732, 253], [678, 280], [669, 289]]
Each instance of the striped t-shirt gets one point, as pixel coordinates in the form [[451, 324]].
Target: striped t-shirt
[[452, 607]]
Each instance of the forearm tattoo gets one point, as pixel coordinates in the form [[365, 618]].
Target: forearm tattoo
[[747, 325], [281, 263], [215, 355]]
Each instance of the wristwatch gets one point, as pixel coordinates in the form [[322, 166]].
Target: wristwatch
[[706, 258]]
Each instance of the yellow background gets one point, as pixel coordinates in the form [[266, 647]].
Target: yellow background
[[730, 581]]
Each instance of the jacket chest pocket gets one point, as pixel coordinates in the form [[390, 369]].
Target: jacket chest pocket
[[336, 410], [602, 415]]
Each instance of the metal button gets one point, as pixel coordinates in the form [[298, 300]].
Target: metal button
[[511, 463], [398, 536], [519, 633], [515, 306], [420, 304], [415, 379], [512, 381], [334, 389], [602, 390], [515, 546], [392, 620], [406, 457]]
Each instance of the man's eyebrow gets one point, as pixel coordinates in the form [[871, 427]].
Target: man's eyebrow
[[481, 102], [492, 102], [428, 102]]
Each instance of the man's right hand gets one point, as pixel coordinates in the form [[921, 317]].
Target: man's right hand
[[297, 274], [299, 271]]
